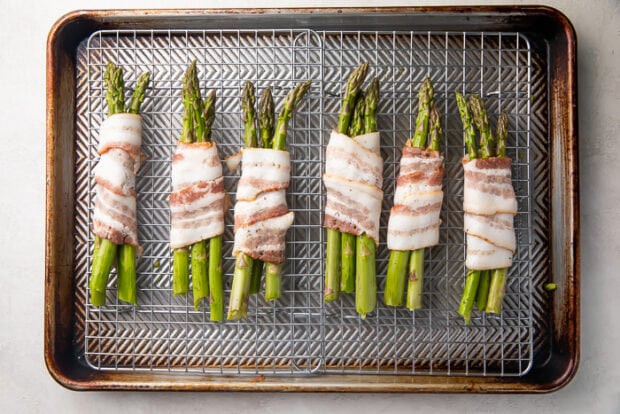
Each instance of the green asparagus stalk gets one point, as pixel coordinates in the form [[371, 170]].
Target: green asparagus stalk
[[127, 291], [266, 118], [356, 126], [180, 271], [476, 104], [402, 262], [334, 246], [366, 249], [216, 284], [127, 274], [347, 254], [266, 115], [200, 275], [436, 132], [288, 107], [180, 256], [273, 271], [415, 280], [242, 276], [396, 275], [257, 274], [497, 287], [209, 113], [469, 294], [366, 275], [115, 94], [96, 298], [139, 92], [502, 134], [497, 290], [354, 83], [473, 276], [240, 291], [102, 264], [203, 113], [371, 103], [482, 295], [428, 119], [468, 127], [105, 252], [347, 257], [273, 281], [425, 98]]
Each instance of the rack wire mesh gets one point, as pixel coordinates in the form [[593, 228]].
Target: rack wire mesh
[[299, 334]]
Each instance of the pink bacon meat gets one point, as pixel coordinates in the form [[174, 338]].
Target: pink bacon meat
[[490, 205], [414, 218], [262, 217], [353, 179], [198, 198], [115, 177]]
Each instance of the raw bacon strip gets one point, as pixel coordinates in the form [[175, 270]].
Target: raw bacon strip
[[115, 177], [264, 240], [414, 218], [488, 186], [264, 170], [261, 214], [353, 179], [490, 204], [198, 197]]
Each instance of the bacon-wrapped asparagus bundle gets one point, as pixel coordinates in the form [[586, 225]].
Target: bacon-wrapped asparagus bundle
[[489, 205], [414, 218], [353, 179], [262, 217], [115, 223], [197, 200]]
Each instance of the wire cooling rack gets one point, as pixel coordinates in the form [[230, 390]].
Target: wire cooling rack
[[299, 334]]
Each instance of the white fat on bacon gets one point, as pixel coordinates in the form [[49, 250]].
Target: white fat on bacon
[[198, 198], [114, 215], [353, 179], [490, 205], [414, 218], [262, 217]]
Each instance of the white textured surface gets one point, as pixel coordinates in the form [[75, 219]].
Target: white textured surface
[[26, 385]]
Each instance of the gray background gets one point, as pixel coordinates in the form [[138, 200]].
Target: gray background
[[26, 385]]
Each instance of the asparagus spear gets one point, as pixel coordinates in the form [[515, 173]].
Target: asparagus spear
[[126, 253], [180, 256], [200, 112], [482, 122], [216, 284], [473, 276], [347, 254], [332, 261], [242, 276], [366, 265], [273, 271], [288, 107], [472, 281], [470, 133], [482, 295], [402, 262], [138, 94], [497, 286], [416, 265], [105, 250], [266, 117]]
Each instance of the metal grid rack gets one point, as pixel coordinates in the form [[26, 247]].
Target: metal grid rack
[[298, 334]]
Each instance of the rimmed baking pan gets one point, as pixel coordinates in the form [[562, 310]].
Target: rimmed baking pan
[[520, 59]]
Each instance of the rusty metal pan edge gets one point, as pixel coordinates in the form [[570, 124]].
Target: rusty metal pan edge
[[58, 309]]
